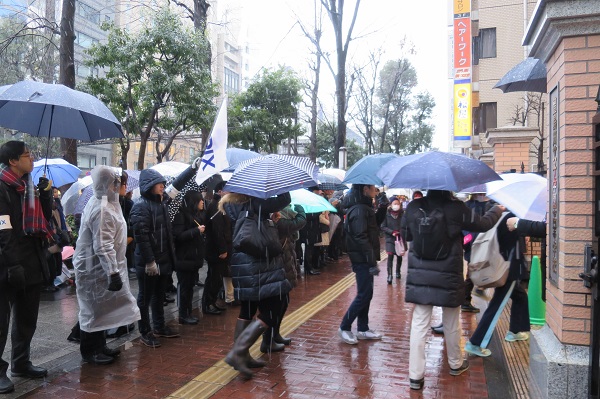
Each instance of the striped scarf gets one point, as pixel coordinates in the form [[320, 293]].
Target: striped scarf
[[34, 222]]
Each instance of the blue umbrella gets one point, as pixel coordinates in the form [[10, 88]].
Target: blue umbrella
[[527, 75], [436, 170], [365, 170], [311, 202], [54, 110], [58, 170], [330, 182], [269, 175], [237, 155]]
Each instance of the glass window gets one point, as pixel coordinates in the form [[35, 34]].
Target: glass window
[[84, 40], [485, 117], [104, 161], [232, 81], [87, 12], [484, 45]]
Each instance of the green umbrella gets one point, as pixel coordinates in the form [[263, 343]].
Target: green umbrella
[[311, 202]]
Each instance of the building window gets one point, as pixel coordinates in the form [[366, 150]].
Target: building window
[[485, 117], [84, 40], [87, 12], [232, 81], [85, 71], [484, 45], [104, 161], [86, 161]]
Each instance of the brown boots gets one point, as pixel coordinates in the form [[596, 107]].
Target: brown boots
[[245, 335]]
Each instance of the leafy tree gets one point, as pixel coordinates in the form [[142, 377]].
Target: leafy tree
[[326, 152], [157, 82], [419, 135], [266, 113]]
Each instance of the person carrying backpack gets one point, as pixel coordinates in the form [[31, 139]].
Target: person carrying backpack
[[433, 225]]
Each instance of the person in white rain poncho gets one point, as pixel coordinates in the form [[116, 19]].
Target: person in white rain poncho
[[103, 293]]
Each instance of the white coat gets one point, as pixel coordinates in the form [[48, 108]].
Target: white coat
[[100, 251]]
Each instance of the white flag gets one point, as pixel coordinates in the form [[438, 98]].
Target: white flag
[[214, 159]]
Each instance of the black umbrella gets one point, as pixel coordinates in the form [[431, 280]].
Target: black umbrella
[[527, 75]]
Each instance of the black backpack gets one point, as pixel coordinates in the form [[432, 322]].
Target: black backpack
[[430, 235]]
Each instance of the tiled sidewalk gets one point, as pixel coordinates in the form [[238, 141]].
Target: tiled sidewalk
[[316, 365]]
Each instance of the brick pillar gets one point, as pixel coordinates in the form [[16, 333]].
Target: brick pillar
[[512, 146]]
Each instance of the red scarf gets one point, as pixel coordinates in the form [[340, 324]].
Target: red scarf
[[34, 222]]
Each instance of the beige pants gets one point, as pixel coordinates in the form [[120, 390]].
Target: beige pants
[[421, 321], [228, 287]]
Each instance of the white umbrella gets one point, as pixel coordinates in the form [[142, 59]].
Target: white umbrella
[[524, 194], [170, 168], [339, 173], [69, 198]]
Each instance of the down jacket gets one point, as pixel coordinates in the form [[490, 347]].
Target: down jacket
[[362, 231], [151, 225], [255, 278], [189, 242], [441, 282], [390, 224]]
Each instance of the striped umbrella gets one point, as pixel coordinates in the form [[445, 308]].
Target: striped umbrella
[[329, 182], [269, 175]]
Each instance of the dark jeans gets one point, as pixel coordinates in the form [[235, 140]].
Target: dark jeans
[[151, 295], [213, 283], [91, 342], [25, 304], [269, 310], [359, 308], [519, 312], [185, 292]]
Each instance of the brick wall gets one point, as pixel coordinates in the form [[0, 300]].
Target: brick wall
[[575, 68]]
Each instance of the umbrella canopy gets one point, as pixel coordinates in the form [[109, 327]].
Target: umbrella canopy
[[70, 197], [365, 170], [269, 175], [528, 75], [524, 194], [88, 192], [311, 202], [170, 168], [436, 170], [237, 155], [58, 170], [329, 182], [339, 173], [54, 110]]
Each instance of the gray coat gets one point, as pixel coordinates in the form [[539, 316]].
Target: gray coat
[[441, 282], [389, 225]]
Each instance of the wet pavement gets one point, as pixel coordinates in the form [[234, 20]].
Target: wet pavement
[[316, 365]]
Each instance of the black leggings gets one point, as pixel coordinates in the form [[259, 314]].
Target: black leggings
[[270, 310]]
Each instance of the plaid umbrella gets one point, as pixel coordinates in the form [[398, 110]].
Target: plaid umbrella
[[329, 182], [269, 175]]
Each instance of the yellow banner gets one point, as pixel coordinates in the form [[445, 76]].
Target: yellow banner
[[462, 7], [462, 111]]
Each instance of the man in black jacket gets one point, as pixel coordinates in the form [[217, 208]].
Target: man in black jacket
[[24, 233]]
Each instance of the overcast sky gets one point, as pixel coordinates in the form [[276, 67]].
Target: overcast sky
[[276, 40]]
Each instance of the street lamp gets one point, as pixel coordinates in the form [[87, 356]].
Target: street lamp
[[343, 158]]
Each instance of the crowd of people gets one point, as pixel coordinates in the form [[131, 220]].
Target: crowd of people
[[255, 251]]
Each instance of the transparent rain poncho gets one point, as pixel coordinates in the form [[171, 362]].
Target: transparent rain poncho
[[100, 252]]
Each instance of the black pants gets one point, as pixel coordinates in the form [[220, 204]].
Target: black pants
[[25, 304], [91, 342], [269, 310], [151, 295], [311, 257], [213, 283], [390, 264], [468, 289], [185, 291]]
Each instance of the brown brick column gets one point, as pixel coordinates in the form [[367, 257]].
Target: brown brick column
[[512, 146]]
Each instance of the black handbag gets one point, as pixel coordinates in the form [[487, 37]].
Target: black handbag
[[256, 237]]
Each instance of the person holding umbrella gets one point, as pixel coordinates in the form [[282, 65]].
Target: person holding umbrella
[[24, 235]]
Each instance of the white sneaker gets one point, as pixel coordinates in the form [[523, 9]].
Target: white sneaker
[[348, 337], [369, 334]]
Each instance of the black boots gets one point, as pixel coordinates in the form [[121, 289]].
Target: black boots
[[6, 384], [245, 335], [398, 266], [269, 344], [279, 339]]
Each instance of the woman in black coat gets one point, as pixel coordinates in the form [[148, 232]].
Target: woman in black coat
[[188, 230], [259, 282], [391, 226]]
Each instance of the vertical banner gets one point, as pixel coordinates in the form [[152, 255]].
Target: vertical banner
[[463, 125]]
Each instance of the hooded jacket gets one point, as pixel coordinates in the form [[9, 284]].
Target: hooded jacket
[[255, 278], [362, 231], [441, 282], [151, 225]]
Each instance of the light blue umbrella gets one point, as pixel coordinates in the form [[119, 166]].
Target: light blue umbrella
[[266, 176], [311, 202], [237, 155], [365, 170], [58, 170]]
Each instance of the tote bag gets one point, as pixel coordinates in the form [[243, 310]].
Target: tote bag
[[399, 246], [255, 237]]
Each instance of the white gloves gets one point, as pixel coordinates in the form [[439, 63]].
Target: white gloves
[[196, 163], [152, 269]]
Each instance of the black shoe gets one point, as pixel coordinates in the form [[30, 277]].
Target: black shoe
[[199, 284], [111, 352], [469, 308], [150, 340], [439, 329], [389, 279], [220, 304], [235, 302], [168, 299], [166, 332], [313, 272], [6, 384], [30, 371], [398, 276], [98, 359], [211, 309], [417, 385], [73, 338], [188, 321]]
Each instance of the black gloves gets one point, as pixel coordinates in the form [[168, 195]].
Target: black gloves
[[16, 276], [115, 282], [374, 270], [43, 184]]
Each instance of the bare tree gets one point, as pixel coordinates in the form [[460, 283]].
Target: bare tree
[[335, 9], [531, 113], [67, 67]]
